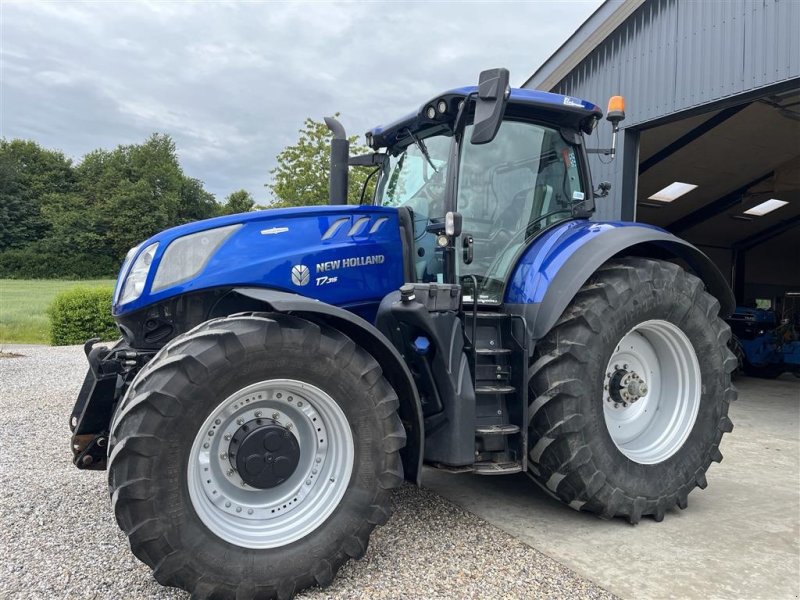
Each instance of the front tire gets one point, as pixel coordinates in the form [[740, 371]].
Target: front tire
[[630, 392], [195, 430]]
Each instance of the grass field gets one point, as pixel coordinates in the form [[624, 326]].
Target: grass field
[[23, 307]]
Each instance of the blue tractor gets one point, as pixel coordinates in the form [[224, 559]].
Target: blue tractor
[[280, 372]]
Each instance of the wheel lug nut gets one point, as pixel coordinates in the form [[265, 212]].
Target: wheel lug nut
[[240, 421], [230, 472], [275, 416], [227, 437], [217, 421], [223, 456], [258, 413], [206, 445]]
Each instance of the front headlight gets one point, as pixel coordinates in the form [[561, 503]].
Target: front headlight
[[123, 272], [134, 282], [188, 255]]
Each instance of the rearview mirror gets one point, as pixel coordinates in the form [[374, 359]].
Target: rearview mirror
[[493, 92]]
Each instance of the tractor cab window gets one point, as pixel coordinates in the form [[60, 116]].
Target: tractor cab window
[[509, 189], [416, 181]]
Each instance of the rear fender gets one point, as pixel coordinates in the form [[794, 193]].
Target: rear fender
[[368, 337], [555, 266]]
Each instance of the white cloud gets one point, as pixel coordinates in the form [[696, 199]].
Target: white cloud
[[233, 82]]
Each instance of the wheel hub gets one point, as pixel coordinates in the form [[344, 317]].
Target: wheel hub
[[650, 420], [626, 387], [234, 499], [264, 452]]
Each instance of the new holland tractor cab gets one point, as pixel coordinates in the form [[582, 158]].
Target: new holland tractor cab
[[280, 371]]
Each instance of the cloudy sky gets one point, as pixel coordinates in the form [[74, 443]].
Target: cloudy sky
[[233, 82]]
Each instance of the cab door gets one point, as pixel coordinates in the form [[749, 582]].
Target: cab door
[[508, 190]]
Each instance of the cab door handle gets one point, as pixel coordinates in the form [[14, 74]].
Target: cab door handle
[[467, 254]]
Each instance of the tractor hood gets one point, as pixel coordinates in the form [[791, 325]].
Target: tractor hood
[[343, 255]]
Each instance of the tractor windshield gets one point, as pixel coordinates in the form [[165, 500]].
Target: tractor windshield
[[417, 181]]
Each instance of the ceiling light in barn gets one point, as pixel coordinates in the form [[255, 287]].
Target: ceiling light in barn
[[673, 191], [765, 207]]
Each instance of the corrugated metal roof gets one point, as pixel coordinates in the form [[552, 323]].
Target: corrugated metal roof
[[670, 55], [586, 38]]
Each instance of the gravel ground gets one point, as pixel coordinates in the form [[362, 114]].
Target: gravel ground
[[58, 538]]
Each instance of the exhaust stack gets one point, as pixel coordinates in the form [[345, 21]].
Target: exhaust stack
[[340, 153]]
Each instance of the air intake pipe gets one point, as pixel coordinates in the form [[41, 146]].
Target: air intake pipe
[[340, 153]]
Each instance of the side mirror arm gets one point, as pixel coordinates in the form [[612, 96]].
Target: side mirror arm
[[373, 159]]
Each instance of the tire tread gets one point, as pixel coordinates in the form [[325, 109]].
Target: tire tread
[[133, 446], [559, 462]]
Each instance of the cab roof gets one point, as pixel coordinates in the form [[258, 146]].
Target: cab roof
[[562, 111]]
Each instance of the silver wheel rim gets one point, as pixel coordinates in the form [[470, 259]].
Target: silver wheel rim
[[659, 364], [269, 518]]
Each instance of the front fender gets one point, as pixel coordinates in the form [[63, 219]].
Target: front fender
[[373, 341], [553, 268]]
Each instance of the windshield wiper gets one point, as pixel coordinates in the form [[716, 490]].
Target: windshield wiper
[[422, 148]]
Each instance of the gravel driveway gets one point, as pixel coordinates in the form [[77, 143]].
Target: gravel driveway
[[58, 538]]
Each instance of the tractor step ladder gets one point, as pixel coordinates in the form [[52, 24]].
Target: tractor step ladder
[[497, 429], [499, 369], [497, 468], [491, 351]]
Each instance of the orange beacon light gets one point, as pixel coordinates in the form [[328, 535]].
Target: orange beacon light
[[616, 109]]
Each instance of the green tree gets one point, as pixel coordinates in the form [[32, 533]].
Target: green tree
[[28, 174], [128, 193], [301, 176], [56, 216], [239, 201], [195, 202], [131, 193]]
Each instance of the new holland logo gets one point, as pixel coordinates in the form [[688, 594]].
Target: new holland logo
[[300, 275]]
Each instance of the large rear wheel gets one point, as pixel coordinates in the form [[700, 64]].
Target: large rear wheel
[[253, 456], [630, 392]]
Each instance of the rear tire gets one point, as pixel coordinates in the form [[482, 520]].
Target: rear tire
[[173, 519], [580, 451]]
